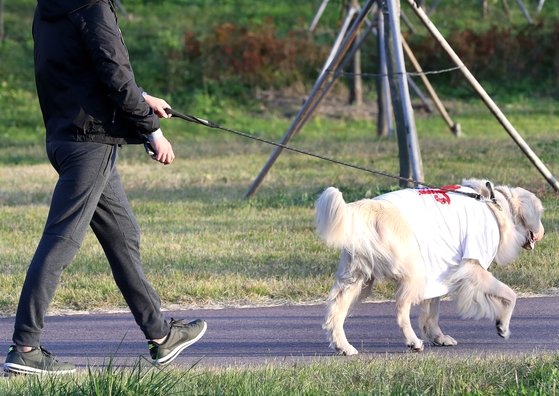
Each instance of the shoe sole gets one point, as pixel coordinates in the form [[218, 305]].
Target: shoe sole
[[14, 368], [175, 352]]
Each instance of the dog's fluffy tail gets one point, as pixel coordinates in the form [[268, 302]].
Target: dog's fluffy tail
[[332, 217], [352, 228]]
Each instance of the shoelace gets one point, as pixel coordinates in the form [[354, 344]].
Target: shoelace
[[177, 323], [47, 354], [172, 323]]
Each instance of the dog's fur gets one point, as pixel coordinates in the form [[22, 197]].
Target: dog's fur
[[376, 243]]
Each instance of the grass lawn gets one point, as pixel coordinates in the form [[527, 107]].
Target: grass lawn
[[411, 374]]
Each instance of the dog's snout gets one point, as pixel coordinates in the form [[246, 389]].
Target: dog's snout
[[540, 234]]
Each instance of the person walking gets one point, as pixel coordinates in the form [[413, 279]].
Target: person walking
[[91, 105]]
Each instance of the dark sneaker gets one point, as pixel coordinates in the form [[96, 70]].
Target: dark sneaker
[[180, 336], [36, 361]]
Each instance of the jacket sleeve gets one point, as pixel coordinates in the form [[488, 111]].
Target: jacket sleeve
[[103, 40]]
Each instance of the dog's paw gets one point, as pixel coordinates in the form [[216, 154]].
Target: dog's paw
[[416, 346], [444, 340], [347, 351], [502, 331]]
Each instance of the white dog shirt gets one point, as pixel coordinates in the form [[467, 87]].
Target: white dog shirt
[[449, 228]]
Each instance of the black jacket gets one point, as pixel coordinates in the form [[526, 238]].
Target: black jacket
[[84, 79]]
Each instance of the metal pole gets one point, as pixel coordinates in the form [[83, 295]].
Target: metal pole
[[347, 22], [356, 86], [311, 103], [396, 98], [1, 20], [318, 15], [407, 22], [484, 8], [485, 97], [2, 31], [336, 73], [524, 10], [415, 88], [506, 8], [384, 122], [405, 124], [454, 127]]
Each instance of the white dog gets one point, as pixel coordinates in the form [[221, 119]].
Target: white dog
[[431, 242]]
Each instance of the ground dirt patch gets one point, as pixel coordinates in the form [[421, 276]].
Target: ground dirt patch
[[336, 104]]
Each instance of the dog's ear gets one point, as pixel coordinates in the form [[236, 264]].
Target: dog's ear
[[479, 186], [528, 207]]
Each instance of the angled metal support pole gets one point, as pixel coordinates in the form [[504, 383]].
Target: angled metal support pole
[[385, 126], [524, 10], [315, 95], [454, 127], [343, 31], [337, 72], [318, 15], [356, 86], [2, 31], [415, 88], [485, 97], [407, 22]]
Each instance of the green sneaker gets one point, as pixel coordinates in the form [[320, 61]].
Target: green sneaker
[[36, 361], [180, 336]]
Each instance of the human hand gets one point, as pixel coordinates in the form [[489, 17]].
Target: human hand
[[163, 150], [158, 105]]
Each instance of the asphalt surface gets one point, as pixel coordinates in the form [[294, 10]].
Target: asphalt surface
[[257, 336]]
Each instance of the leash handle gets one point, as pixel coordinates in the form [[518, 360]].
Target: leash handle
[[191, 118]]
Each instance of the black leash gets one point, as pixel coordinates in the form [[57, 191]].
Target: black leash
[[210, 124]]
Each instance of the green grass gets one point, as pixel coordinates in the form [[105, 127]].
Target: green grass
[[409, 374]]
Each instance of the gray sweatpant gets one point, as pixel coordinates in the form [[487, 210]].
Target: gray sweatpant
[[88, 193]]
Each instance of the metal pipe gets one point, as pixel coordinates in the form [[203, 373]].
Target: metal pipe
[[318, 15], [524, 10], [385, 102], [347, 22], [405, 125], [454, 127]]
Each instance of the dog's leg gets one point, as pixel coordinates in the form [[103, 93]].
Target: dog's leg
[[342, 296], [410, 290], [429, 324], [366, 289], [403, 307], [480, 295], [504, 299]]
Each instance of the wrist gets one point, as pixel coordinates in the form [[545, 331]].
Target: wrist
[[156, 135]]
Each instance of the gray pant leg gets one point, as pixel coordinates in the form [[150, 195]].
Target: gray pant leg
[[116, 229], [84, 171]]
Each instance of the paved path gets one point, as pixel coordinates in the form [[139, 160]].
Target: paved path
[[253, 336]]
